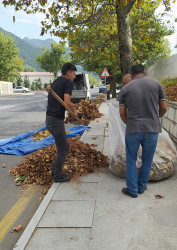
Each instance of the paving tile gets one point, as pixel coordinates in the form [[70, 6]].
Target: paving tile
[[166, 187], [98, 140], [162, 214], [68, 214], [106, 147], [110, 187], [59, 239], [76, 191], [165, 238], [93, 177], [96, 130], [111, 230], [118, 246]]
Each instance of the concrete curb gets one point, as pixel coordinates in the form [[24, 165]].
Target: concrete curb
[[25, 237]]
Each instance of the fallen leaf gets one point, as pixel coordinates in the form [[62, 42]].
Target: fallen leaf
[[18, 228], [159, 196], [44, 191]]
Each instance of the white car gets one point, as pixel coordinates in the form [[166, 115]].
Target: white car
[[20, 89]]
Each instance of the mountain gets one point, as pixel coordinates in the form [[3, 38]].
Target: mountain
[[30, 48], [39, 43], [27, 52]]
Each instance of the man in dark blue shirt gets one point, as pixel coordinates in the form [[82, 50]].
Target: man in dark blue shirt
[[55, 118], [141, 103]]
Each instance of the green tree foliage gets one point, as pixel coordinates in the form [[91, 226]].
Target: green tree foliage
[[28, 68], [10, 63], [27, 52], [18, 82], [26, 82], [92, 80], [97, 47], [52, 60], [36, 84], [64, 17], [148, 32]]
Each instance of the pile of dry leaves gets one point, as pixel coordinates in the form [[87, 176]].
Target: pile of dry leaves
[[82, 159], [87, 111], [170, 92]]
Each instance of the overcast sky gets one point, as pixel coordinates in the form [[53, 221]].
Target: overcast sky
[[29, 25]]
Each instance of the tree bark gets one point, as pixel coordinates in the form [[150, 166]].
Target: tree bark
[[125, 38], [113, 81]]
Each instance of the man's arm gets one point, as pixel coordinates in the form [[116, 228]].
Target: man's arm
[[162, 108], [67, 101], [123, 113]]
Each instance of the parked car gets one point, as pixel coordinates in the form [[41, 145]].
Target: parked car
[[119, 86], [20, 89], [102, 89]]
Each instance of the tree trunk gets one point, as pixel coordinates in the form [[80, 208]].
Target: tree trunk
[[125, 38], [113, 85]]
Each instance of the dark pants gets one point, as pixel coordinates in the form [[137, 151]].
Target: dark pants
[[57, 129]]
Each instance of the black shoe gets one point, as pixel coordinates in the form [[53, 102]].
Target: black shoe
[[52, 174], [125, 191], [62, 179], [141, 192]]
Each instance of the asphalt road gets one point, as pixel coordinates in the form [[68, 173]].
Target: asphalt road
[[18, 114]]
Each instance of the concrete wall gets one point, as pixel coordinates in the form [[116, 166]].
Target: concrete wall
[[169, 120], [164, 69], [45, 77], [6, 88]]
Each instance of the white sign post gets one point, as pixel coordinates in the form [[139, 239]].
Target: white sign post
[[105, 74]]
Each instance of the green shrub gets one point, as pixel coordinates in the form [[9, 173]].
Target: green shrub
[[168, 81]]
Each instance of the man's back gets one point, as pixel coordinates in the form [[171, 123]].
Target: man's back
[[60, 86], [141, 96]]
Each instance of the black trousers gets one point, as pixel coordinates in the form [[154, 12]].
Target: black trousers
[[57, 128]]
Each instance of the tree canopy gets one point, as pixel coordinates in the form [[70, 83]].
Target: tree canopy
[[64, 17], [28, 68], [52, 60], [10, 63], [97, 47]]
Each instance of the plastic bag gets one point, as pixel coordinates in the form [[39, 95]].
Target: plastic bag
[[164, 157]]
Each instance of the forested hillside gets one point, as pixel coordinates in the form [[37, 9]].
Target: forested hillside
[[30, 48], [39, 43], [27, 52]]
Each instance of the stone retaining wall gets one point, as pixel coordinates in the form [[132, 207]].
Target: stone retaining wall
[[164, 69], [169, 120], [6, 88]]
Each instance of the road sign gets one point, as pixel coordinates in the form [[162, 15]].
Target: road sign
[[105, 73]]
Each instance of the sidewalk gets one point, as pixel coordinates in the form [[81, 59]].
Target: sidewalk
[[93, 214]]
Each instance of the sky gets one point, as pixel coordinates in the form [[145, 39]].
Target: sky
[[29, 25], [24, 26]]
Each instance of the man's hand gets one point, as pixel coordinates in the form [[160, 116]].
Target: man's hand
[[162, 108], [123, 113], [75, 114]]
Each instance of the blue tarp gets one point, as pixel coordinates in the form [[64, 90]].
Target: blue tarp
[[23, 144]]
